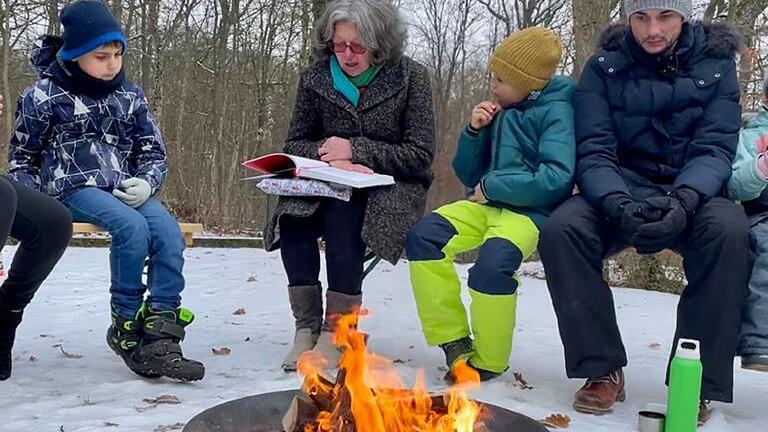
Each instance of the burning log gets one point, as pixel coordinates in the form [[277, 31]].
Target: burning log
[[341, 417], [302, 412]]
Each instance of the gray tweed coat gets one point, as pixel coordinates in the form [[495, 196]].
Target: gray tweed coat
[[392, 132]]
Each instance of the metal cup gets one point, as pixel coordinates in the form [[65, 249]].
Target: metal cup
[[650, 421]]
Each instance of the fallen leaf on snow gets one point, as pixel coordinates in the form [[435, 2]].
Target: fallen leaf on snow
[[110, 424], [655, 346], [521, 382], [69, 355], [240, 311], [248, 339], [32, 359], [251, 278], [221, 351], [146, 408], [557, 420], [163, 399], [166, 428]]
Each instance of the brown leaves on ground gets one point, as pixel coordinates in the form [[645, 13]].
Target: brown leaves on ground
[[166, 428], [221, 351], [163, 399], [239, 311], [521, 382], [152, 403], [557, 421], [66, 354]]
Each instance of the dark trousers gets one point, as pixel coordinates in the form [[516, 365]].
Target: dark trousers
[[717, 262], [43, 228], [340, 224]]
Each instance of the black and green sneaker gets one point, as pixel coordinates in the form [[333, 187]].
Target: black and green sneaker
[[160, 350], [124, 337]]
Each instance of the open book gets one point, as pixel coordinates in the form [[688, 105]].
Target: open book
[[276, 164]]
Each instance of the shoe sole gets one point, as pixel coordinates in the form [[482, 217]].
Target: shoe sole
[[591, 409], [755, 367], [134, 367]]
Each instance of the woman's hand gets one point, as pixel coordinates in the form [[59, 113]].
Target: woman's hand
[[1, 104], [482, 114], [335, 149], [349, 166]]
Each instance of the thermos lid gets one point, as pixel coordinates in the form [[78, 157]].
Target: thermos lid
[[688, 349]]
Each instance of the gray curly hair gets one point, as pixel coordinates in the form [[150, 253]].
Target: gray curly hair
[[378, 22]]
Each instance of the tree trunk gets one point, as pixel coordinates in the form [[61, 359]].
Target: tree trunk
[[590, 17], [5, 28]]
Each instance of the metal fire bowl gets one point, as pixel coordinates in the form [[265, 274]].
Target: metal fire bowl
[[264, 413]]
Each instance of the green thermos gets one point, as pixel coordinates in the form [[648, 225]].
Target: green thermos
[[684, 388]]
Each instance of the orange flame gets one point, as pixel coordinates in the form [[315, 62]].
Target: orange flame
[[379, 400]]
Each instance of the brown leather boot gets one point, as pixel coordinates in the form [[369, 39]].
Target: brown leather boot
[[705, 412], [598, 395]]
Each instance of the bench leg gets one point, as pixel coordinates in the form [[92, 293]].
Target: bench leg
[[188, 238]]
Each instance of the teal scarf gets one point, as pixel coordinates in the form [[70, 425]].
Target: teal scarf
[[350, 86]]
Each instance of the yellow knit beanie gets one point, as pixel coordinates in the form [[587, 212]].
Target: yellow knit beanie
[[527, 59]]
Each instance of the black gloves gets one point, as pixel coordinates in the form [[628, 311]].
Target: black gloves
[[628, 213], [675, 209]]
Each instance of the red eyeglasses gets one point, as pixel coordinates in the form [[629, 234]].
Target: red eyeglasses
[[341, 47]]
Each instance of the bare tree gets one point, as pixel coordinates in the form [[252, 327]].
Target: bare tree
[[589, 19], [519, 14]]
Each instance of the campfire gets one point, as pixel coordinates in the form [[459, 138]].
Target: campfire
[[368, 395]]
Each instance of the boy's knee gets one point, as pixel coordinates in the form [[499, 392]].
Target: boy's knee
[[426, 240], [494, 270], [131, 228]]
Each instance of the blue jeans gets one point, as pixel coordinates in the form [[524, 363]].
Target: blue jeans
[[148, 231], [754, 321]]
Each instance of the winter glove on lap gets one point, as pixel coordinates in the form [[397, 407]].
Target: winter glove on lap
[[676, 208], [133, 191], [625, 211]]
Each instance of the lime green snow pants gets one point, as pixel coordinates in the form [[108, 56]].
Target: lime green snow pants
[[505, 239]]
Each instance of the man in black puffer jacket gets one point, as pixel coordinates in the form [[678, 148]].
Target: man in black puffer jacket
[[657, 122]]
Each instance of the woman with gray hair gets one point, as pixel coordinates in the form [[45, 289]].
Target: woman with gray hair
[[361, 106]]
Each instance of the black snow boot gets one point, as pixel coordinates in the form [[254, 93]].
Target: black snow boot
[[9, 320], [124, 337], [159, 350]]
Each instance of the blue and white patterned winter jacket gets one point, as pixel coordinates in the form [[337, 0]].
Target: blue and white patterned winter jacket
[[64, 141]]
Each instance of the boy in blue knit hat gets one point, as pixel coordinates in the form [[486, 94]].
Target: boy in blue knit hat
[[86, 136]]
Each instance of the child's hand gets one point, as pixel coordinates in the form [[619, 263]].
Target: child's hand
[[482, 114], [135, 191], [761, 145], [478, 197], [1, 104]]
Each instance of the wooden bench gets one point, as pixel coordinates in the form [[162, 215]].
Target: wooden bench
[[188, 229]]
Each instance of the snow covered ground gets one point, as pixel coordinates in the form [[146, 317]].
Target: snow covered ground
[[50, 391]]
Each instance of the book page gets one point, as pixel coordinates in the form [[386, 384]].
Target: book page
[[349, 178]]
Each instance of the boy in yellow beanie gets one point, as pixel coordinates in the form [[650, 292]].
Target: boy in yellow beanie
[[518, 154]]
